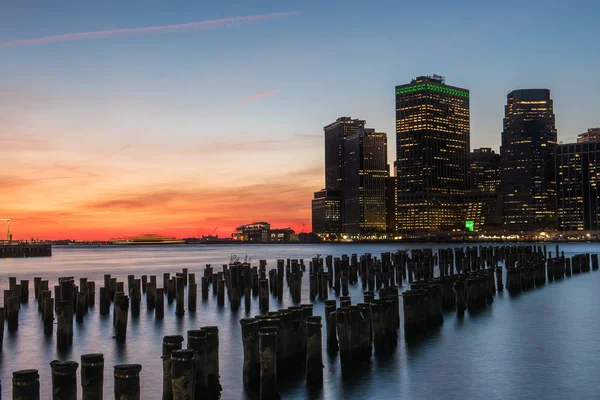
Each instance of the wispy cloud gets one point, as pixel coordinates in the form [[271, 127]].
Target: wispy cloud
[[259, 95], [198, 25]]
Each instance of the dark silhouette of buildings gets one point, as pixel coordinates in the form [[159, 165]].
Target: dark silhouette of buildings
[[432, 147], [261, 232], [528, 174], [578, 183], [390, 204], [365, 173]]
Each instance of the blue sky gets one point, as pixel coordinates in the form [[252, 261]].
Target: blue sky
[[176, 99]]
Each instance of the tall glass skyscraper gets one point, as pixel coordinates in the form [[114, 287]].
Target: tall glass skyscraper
[[366, 171], [432, 147], [528, 174]]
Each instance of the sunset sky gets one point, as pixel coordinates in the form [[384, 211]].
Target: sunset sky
[[185, 118]]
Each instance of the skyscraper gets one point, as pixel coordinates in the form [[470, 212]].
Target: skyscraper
[[578, 184], [335, 135], [432, 147], [528, 174], [365, 173], [483, 202], [327, 204]]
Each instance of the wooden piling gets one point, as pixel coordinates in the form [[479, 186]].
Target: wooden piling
[[12, 313], [26, 385], [251, 367], [192, 295], [263, 295], [268, 363], [64, 380], [196, 340], [121, 311], [91, 293], [80, 307], [183, 374], [144, 283], [159, 306], [127, 381], [92, 376], [314, 356], [179, 287], [169, 344], [36, 283], [212, 360], [24, 291], [204, 284], [48, 316], [221, 292], [151, 295], [104, 301], [332, 341]]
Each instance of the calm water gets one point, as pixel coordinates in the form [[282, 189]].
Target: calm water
[[540, 344]]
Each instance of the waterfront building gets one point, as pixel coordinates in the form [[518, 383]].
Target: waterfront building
[[528, 175], [432, 147], [365, 173], [326, 212], [578, 184], [261, 232]]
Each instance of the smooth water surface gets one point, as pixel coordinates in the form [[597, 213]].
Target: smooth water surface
[[541, 344]]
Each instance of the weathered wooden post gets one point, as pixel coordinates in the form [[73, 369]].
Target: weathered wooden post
[[48, 316], [24, 291], [184, 275], [314, 356], [166, 279], [151, 296], [144, 283], [263, 295], [136, 298], [268, 363], [121, 311], [170, 344], [1, 326], [36, 284], [332, 342], [92, 376], [251, 368], [26, 385], [127, 381], [159, 307], [64, 329], [499, 283], [12, 313], [80, 307], [91, 293], [179, 285], [192, 294], [196, 340], [212, 359], [104, 301], [342, 321], [64, 380], [221, 292], [183, 374], [204, 284]]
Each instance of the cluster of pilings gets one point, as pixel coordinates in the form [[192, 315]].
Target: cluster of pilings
[[26, 383], [191, 373], [274, 344]]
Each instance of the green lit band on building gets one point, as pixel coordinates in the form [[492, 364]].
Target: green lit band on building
[[427, 86]]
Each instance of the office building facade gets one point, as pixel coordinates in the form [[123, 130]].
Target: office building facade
[[432, 147], [327, 213], [528, 175], [365, 173], [578, 185]]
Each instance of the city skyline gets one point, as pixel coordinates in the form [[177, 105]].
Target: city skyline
[[116, 134]]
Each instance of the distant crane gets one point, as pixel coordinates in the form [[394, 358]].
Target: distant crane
[[8, 237]]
